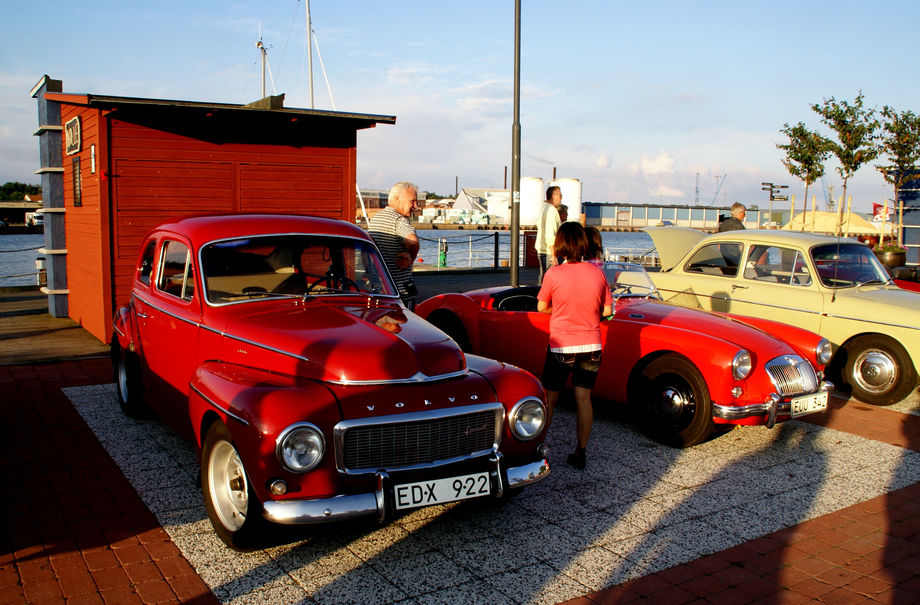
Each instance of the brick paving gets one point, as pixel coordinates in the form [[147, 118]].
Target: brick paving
[[72, 529]]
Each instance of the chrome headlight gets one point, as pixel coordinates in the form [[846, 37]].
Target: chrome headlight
[[741, 365], [824, 351], [300, 447], [527, 418]]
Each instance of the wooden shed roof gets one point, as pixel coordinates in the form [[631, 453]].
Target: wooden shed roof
[[262, 122]]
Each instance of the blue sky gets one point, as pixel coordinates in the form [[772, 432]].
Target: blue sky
[[634, 99]]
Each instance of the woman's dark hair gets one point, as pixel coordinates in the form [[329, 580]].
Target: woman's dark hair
[[595, 244], [571, 242]]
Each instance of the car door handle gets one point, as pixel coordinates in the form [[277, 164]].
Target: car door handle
[[737, 287], [142, 315]]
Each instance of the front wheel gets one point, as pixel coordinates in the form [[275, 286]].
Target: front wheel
[[878, 370], [676, 401], [228, 496]]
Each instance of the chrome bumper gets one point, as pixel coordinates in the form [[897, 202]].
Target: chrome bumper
[[771, 408], [340, 508]]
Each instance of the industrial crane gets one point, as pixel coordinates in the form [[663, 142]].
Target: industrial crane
[[719, 182]]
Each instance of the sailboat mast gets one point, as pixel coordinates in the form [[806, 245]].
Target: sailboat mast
[[309, 50], [261, 48]]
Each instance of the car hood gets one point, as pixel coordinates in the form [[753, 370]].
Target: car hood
[[729, 329], [673, 243], [884, 304], [351, 343]]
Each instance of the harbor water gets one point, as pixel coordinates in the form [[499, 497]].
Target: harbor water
[[476, 249], [17, 258], [451, 249]]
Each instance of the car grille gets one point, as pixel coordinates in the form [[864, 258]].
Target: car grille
[[413, 440], [792, 375]]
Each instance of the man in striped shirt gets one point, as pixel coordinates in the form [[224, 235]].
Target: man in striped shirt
[[394, 235]]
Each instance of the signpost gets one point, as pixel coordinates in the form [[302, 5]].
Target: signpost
[[774, 190]]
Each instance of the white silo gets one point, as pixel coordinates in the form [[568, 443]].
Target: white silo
[[532, 195], [571, 196]]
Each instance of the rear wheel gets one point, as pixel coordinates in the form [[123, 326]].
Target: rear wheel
[[129, 386], [676, 401], [878, 370], [228, 496]]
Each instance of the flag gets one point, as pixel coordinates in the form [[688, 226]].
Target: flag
[[880, 212]]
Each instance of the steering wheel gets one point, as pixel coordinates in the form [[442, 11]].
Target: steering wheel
[[334, 282]]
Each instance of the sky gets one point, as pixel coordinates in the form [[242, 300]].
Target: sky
[[634, 99]]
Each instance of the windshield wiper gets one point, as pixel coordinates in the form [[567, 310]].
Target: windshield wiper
[[886, 282]]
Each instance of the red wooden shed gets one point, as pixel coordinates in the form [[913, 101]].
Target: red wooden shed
[[128, 164]]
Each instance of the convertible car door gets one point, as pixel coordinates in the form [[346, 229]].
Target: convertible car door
[[516, 337]]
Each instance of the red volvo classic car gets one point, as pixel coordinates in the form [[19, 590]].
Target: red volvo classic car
[[280, 345]]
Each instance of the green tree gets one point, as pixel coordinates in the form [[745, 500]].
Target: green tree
[[15, 190], [855, 127], [900, 142], [805, 155]]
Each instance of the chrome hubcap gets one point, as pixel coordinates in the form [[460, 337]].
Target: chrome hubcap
[[673, 404], [875, 371], [228, 489]]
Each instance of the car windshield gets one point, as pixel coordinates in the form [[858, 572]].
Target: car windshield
[[629, 279], [846, 265], [292, 265]]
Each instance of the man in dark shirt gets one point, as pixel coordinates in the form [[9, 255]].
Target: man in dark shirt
[[735, 221]]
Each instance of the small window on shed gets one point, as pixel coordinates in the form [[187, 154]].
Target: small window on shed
[[176, 276], [146, 265]]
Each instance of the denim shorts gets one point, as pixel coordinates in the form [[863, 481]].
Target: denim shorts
[[582, 366]]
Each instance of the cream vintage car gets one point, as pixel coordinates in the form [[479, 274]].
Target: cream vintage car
[[833, 286]]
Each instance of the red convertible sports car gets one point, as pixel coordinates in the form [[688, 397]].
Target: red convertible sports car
[[280, 345], [688, 369]]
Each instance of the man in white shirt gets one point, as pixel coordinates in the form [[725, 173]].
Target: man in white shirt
[[547, 226]]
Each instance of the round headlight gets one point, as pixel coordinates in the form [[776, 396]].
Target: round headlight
[[300, 447], [824, 351], [741, 365], [527, 418]]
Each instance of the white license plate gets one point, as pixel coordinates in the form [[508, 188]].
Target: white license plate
[[808, 404], [439, 491]]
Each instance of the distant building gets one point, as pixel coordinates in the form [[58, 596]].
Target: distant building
[[637, 216]]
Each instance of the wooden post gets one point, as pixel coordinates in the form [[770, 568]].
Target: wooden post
[[839, 216], [814, 213], [846, 229]]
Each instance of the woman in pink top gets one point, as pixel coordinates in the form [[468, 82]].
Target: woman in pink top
[[577, 296]]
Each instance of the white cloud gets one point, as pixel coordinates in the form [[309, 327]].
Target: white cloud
[[663, 190], [663, 163], [406, 75], [602, 162]]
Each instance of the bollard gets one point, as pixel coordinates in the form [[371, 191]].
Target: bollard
[[41, 275], [442, 252]]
